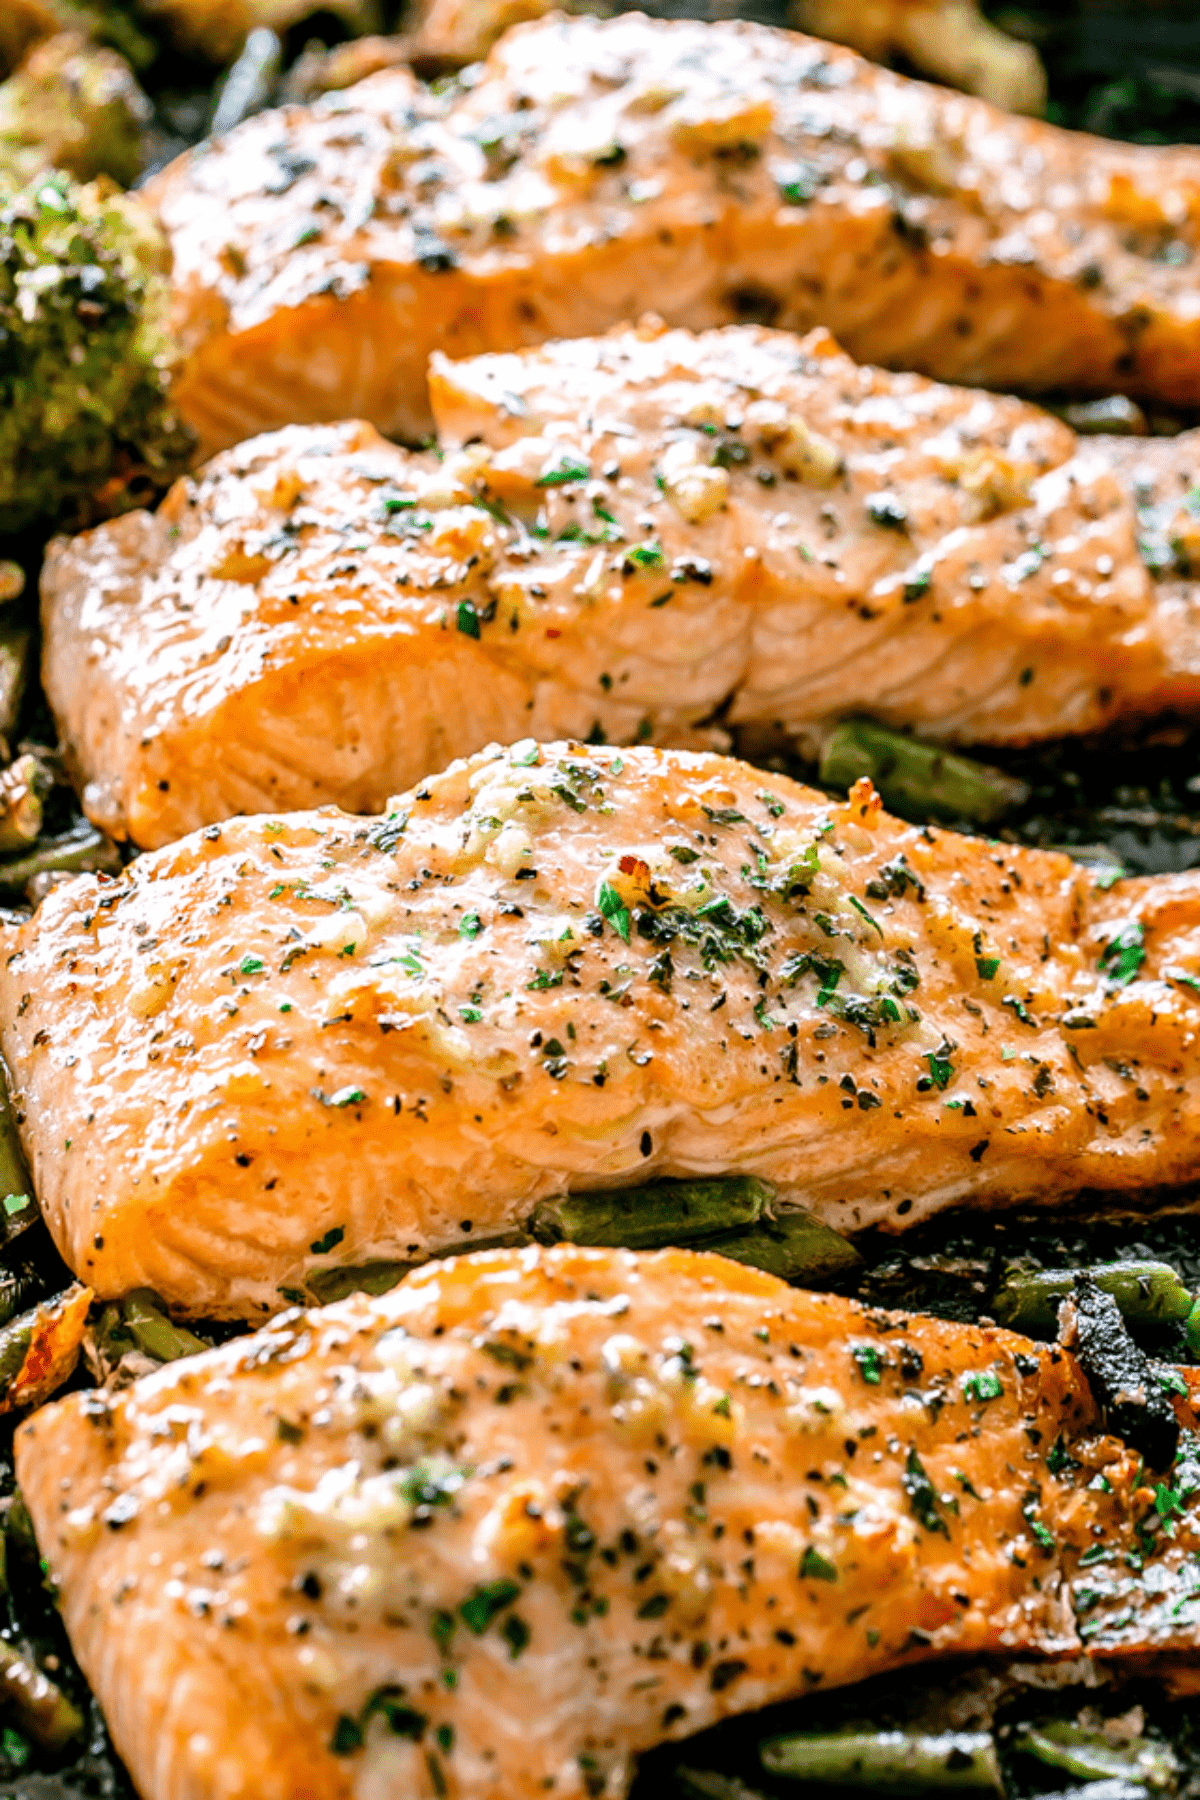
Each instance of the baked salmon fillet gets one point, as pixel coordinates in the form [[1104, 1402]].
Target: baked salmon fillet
[[297, 1044], [716, 172], [499, 1531], [629, 537]]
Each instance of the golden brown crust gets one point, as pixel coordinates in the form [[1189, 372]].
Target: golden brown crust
[[287, 1044], [712, 171], [560, 1505], [754, 528]]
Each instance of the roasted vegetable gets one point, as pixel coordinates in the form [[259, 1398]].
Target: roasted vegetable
[[24, 785], [1029, 1300], [37, 1704], [82, 849], [1126, 1385], [889, 1762], [76, 106], [1092, 1755], [654, 1215], [39, 1350], [85, 358], [917, 777]]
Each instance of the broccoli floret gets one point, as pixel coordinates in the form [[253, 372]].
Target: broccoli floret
[[76, 106], [86, 425]]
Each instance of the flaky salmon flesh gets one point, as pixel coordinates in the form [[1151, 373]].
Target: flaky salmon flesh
[[715, 172], [499, 1531], [629, 536], [296, 1044]]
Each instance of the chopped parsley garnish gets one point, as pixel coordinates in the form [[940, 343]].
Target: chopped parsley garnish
[[982, 1384], [470, 925], [487, 1603], [561, 469], [250, 965], [940, 1066], [545, 978], [1122, 957], [423, 1486], [614, 909], [986, 967], [648, 555], [348, 1096], [1041, 1533], [870, 1362], [922, 1497], [466, 617], [815, 1567]]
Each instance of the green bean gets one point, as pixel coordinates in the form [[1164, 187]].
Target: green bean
[[652, 1216], [707, 1784], [1028, 1300], [153, 1332], [919, 778], [793, 1245], [40, 1708], [1192, 1331], [890, 1762], [328, 1285], [82, 850], [16, 648], [1064, 1745], [1114, 416]]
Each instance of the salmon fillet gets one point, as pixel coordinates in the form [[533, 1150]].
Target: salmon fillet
[[289, 1044], [716, 172], [503, 1529], [645, 532]]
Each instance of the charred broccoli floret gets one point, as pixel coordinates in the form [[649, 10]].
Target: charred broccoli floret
[[86, 424]]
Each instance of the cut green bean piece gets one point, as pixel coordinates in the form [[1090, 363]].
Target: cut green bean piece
[[890, 1762], [1193, 1331], [328, 1285], [654, 1216], [40, 1708], [16, 644], [1062, 1744], [1028, 1300], [152, 1331], [793, 1245], [81, 851], [707, 1784], [919, 778], [1113, 416]]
